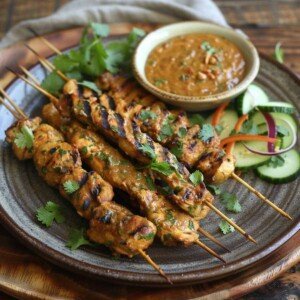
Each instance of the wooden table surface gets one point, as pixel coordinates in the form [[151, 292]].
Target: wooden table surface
[[266, 22]]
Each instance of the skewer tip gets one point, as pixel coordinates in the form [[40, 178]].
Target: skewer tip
[[213, 239], [209, 250], [154, 265]]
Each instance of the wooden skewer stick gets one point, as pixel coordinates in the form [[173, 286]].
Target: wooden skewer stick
[[51, 46], [47, 64], [260, 196], [238, 228], [10, 109], [212, 238], [154, 265], [53, 99], [209, 250], [29, 75], [142, 252], [12, 103]]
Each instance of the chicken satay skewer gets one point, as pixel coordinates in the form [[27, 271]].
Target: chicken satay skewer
[[203, 246], [123, 210], [238, 228], [233, 175]]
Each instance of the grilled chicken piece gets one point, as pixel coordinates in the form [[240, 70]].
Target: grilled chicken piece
[[21, 128], [110, 220], [58, 162], [89, 109], [173, 226], [130, 100]]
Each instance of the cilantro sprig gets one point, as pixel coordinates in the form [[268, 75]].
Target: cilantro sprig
[[206, 133], [225, 227], [76, 239], [49, 213], [231, 202], [71, 186], [24, 138], [196, 177], [92, 57]]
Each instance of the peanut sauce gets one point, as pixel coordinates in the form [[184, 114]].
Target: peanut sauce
[[195, 65]]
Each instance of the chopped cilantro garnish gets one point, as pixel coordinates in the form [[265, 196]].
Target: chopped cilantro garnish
[[249, 127], [170, 217], [177, 149], [282, 131], [215, 190], [191, 225], [150, 183], [196, 119], [77, 239], [50, 212], [276, 161], [161, 167], [90, 85], [84, 150], [196, 177], [206, 133], [24, 138], [147, 114], [208, 48], [226, 227], [148, 236], [71, 186], [159, 81], [231, 202], [182, 132], [148, 151], [166, 130]]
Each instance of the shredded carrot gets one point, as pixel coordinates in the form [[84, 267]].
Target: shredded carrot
[[246, 137], [237, 128], [218, 113]]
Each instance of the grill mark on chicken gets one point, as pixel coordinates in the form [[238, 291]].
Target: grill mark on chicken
[[104, 117], [120, 122]]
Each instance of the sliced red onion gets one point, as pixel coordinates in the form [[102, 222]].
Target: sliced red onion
[[270, 153], [272, 132]]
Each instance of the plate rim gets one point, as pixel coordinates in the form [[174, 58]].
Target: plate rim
[[122, 276]]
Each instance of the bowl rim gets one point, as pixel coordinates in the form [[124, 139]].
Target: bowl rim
[[236, 90]]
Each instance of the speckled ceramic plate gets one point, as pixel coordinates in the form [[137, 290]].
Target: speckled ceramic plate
[[22, 192]]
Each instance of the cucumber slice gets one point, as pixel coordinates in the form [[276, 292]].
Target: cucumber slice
[[279, 118], [279, 107], [283, 174], [287, 139], [245, 159], [253, 96], [227, 121]]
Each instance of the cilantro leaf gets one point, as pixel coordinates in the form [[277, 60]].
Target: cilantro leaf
[[77, 239], [196, 119], [196, 177], [170, 217], [231, 202], [90, 85], [226, 227], [50, 212], [148, 150], [150, 183], [191, 225], [53, 83], [65, 63], [282, 131], [166, 129], [214, 189], [147, 114], [182, 132], [148, 236], [278, 53], [71, 186], [177, 149], [161, 167], [249, 127], [24, 138], [206, 133], [276, 161], [208, 48], [100, 30], [159, 81]]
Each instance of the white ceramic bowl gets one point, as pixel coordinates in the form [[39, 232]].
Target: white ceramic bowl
[[165, 33]]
